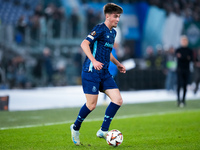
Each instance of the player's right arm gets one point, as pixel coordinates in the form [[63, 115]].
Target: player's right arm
[[86, 48]]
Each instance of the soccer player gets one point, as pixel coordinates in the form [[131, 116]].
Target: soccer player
[[95, 75]]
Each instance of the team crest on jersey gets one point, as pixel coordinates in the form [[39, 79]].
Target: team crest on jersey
[[93, 33]]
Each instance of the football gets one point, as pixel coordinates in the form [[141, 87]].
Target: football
[[114, 137]]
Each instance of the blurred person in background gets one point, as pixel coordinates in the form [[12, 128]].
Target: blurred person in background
[[95, 74], [56, 22], [59, 77], [11, 73], [184, 56], [34, 27], [48, 66], [150, 58], [171, 64], [37, 71], [91, 19], [197, 70], [21, 77], [75, 20], [20, 29], [78, 59], [160, 58]]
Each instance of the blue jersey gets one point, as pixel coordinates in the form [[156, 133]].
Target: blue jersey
[[101, 41]]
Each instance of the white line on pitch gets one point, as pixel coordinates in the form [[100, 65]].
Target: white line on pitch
[[90, 120]]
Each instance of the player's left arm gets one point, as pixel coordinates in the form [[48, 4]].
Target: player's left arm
[[120, 67]]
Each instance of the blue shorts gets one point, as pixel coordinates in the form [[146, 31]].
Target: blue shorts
[[96, 81]]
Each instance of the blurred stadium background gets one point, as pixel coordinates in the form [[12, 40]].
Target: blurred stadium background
[[40, 40]]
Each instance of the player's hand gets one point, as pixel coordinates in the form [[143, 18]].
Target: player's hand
[[97, 65], [121, 68]]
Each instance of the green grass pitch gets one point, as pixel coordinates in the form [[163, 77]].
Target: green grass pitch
[[147, 126]]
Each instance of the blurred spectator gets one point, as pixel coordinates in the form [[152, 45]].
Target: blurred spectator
[[197, 70], [91, 19], [34, 27], [170, 83], [160, 57], [42, 23], [150, 58], [46, 22], [184, 57], [75, 21], [20, 30], [49, 11], [16, 73], [21, 77], [11, 73], [59, 77], [37, 70], [127, 53], [43, 29], [48, 67], [100, 17], [39, 10], [57, 19], [78, 62]]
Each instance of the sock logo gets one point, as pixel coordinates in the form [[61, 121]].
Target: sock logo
[[80, 119], [107, 117]]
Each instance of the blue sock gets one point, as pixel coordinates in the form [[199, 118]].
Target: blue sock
[[109, 114], [84, 111]]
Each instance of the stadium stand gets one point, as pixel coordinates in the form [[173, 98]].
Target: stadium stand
[[28, 26]]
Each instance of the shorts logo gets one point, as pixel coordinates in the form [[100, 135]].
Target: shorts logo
[[94, 89]]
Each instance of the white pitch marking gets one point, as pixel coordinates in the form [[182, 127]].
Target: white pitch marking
[[90, 120]]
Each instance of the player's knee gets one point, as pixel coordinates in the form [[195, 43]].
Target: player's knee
[[91, 106], [119, 101]]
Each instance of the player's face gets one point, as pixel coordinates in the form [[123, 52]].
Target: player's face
[[113, 19]]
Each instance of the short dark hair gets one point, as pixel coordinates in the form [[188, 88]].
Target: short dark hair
[[110, 8]]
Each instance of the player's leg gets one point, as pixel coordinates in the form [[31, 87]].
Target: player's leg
[[85, 110], [83, 113], [115, 96], [91, 90], [116, 102], [91, 101]]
